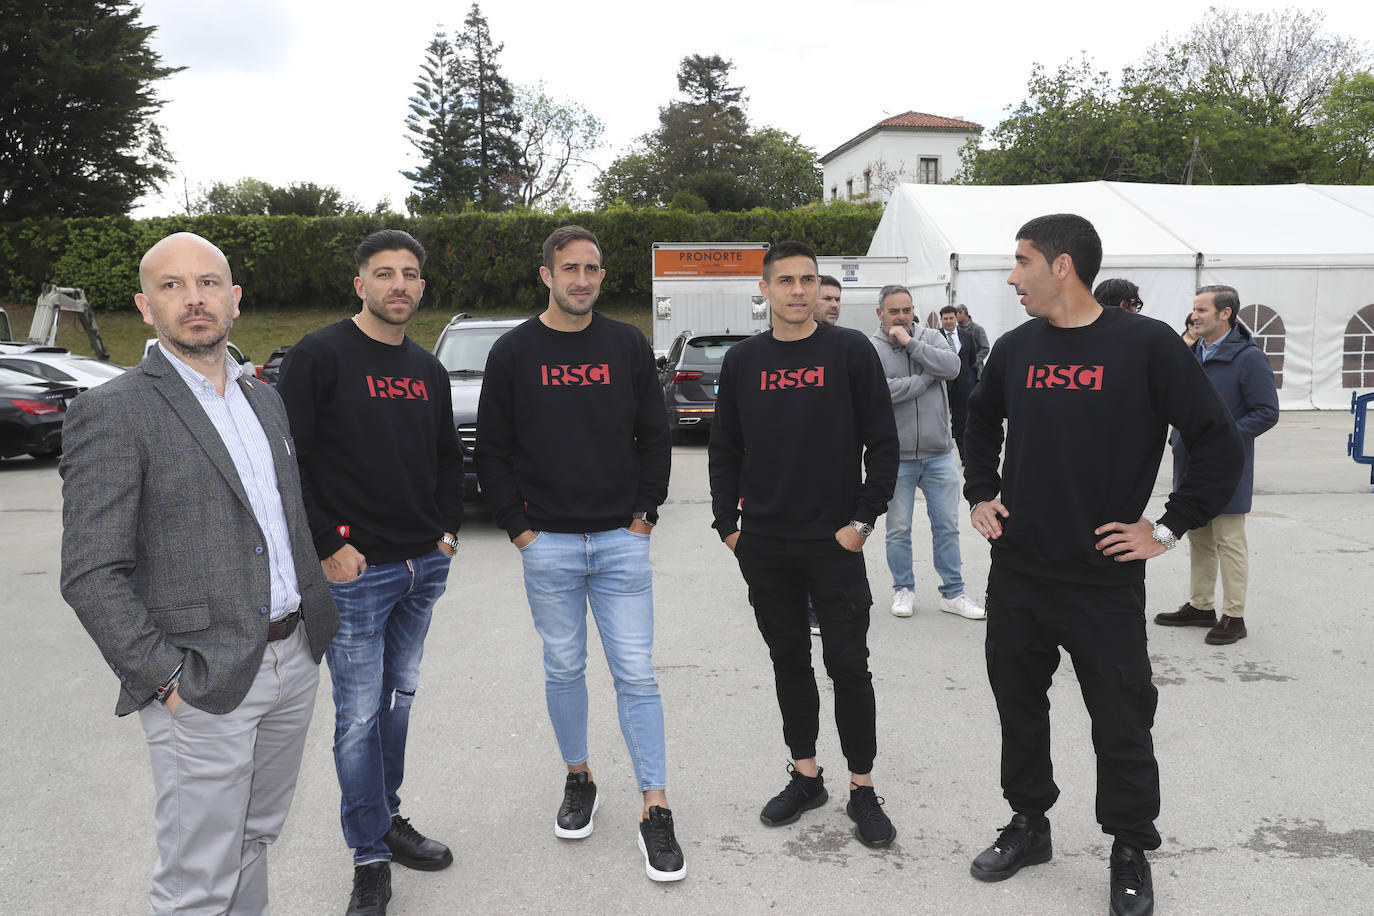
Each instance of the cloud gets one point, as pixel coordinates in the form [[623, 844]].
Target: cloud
[[216, 38]]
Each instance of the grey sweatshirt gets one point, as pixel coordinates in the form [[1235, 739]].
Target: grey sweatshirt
[[915, 377]]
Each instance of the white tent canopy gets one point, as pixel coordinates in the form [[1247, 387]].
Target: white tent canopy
[[1302, 257]]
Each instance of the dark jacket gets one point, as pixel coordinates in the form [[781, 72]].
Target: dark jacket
[[1242, 376], [162, 557]]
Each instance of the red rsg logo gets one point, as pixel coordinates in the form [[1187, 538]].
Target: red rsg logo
[[386, 386], [1067, 377], [585, 374], [779, 379]]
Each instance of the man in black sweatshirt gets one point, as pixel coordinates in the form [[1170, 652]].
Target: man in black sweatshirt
[[800, 409], [1088, 395], [573, 454], [382, 477]]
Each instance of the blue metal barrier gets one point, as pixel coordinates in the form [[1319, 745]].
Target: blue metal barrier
[[1356, 446]]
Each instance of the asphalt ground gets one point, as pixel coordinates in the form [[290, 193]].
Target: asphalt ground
[[1265, 747]]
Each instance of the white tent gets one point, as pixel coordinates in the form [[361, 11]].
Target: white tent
[[1302, 257]]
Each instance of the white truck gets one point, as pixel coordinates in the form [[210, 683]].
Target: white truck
[[707, 287], [861, 278]]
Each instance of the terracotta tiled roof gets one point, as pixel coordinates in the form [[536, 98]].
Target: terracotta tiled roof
[[921, 119], [910, 120]]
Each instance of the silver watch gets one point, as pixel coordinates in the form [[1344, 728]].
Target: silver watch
[[1164, 536], [864, 528], [450, 541]]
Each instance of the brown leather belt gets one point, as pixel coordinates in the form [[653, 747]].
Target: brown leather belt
[[283, 626]]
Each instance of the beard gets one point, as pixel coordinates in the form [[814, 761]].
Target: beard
[[568, 306], [379, 310]]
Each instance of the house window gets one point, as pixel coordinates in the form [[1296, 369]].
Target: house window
[[929, 170], [1267, 327], [1357, 365], [849, 189], [868, 181], [834, 192]]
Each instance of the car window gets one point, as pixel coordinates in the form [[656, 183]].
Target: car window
[[236, 354], [708, 351], [10, 376], [466, 349], [675, 351], [40, 369]]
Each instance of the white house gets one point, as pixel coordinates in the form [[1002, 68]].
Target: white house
[[912, 147]]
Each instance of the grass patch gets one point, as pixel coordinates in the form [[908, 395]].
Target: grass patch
[[257, 332]]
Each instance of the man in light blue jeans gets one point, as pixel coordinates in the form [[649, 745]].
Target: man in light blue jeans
[[573, 459], [917, 363]]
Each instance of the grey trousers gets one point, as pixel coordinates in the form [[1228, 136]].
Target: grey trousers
[[224, 785]]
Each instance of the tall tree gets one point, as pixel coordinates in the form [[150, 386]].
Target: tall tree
[[553, 140], [1282, 60], [490, 102], [705, 149], [439, 127], [77, 101], [1345, 131]]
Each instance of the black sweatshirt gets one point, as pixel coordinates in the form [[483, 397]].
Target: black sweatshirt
[[1087, 411], [794, 420], [379, 457], [572, 435]]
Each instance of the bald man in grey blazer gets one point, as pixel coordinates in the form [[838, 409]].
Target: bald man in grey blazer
[[187, 556]]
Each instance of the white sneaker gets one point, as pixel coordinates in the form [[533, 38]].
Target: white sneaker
[[961, 605], [903, 603]]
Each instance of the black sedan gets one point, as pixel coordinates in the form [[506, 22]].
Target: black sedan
[[690, 375], [31, 414]]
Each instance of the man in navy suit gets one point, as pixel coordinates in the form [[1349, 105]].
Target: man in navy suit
[[961, 386]]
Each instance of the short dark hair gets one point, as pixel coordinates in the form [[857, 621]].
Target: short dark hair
[[949, 310], [1070, 234], [1111, 293], [788, 249], [561, 236], [1223, 297], [827, 280], [388, 240]]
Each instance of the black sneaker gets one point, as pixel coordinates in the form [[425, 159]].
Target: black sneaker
[[1132, 892], [580, 801], [411, 848], [662, 855], [1020, 843], [871, 825], [802, 794], [371, 889]]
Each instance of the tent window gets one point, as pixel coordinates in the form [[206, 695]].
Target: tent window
[[1267, 327], [933, 319], [1357, 367]]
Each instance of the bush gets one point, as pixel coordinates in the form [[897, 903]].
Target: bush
[[477, 262]]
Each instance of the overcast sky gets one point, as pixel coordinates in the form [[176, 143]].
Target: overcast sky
[[307, 90]]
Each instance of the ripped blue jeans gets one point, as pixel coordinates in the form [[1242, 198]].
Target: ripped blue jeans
[[374, 664]]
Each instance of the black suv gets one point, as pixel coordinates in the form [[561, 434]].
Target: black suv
[[462, 347], [690, 376]]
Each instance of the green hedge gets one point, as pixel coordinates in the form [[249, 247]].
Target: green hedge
[[477, 262]]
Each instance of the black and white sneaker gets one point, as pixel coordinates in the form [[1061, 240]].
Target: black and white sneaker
[[580, 801], [662, 855]]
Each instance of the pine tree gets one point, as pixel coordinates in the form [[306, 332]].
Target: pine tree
[[490, 103], [77, 100], [440, 130]]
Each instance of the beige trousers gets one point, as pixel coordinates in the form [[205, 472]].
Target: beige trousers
[[1219, 543]]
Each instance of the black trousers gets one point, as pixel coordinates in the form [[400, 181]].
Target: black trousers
[[780, 574], [1103, 631]]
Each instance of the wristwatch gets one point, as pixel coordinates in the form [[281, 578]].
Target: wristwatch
[[1164, 536], [643, 517], [864, 528], [449, 540]]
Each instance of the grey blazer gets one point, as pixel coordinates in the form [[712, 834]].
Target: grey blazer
[[162, 559]]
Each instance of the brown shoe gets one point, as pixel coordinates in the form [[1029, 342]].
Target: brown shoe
[[1227, 631], [1187, 616]]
